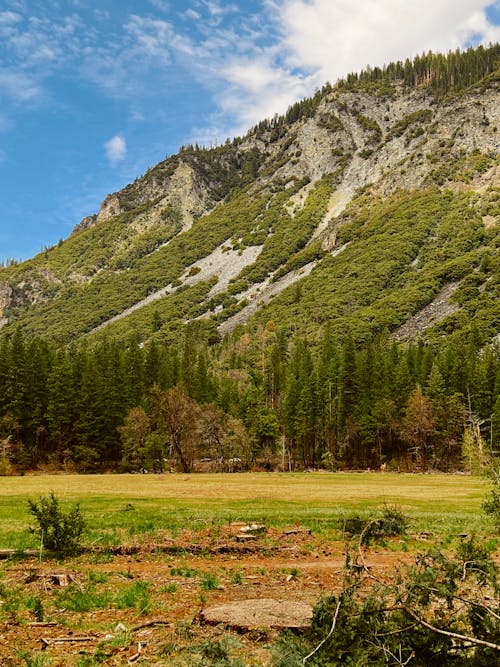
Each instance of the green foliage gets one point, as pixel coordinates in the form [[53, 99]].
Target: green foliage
[[83, 599], [392, 523], [12, 601], [236, 578], [353, 406], [36, 659], [136, 596], [78, 308], [370, 125], [461, 166], [372, 285], [285, 246], [217, 653], [434, 613], [421, 117], [58, 531], [491, 505], [209, 582]]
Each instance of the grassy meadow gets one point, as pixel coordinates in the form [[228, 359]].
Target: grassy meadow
[[124, 508]]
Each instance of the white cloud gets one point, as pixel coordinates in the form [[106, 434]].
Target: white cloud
[[192, 14], [219, 9], [259, 90], [334, 37], [18, 86], [116, 149], [310, 42], [162, 5], [8, 18], [152, 37]]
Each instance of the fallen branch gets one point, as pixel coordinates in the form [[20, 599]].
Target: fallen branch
[[42, 624], [149, 624], [453, 635], [330, 633], [472, 603], [61, 640]]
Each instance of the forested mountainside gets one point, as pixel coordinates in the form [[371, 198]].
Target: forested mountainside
[[326, 286]]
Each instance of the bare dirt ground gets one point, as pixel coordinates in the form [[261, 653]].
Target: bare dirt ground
[[183, 576]]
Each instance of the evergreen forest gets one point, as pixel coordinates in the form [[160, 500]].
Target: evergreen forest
[[257, 402]]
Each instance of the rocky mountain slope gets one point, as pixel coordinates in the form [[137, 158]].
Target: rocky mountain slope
[[372, 206]]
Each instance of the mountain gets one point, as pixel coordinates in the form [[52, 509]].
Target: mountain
[[326, 288], [372, 205]]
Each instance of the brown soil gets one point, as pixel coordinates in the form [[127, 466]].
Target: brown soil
[[195, 572]]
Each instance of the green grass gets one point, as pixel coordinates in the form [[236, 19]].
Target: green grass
[[440, 503]]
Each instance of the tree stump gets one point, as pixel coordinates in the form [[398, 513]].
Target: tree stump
[[260, 613]]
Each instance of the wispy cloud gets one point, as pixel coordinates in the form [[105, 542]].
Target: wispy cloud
[[333, 38], [162, 5], [9, 18], [252, 65], [116, 149], [300, 44], [151, 37], [192, 14], [138, 63], [18, 86]]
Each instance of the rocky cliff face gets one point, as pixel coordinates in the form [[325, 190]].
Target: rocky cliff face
[[381, 140]]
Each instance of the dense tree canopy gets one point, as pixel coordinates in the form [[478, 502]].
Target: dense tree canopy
[[263, 399]]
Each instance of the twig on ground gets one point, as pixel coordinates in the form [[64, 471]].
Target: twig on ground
[[330, 633]]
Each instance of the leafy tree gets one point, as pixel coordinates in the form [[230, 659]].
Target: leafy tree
[[418, 427], [175, 416]]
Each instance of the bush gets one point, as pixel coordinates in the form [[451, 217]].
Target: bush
[[57, 530], [442, 611], [491, 505], [391, 524]]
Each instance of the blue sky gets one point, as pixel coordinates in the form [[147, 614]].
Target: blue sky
[[93, 92]]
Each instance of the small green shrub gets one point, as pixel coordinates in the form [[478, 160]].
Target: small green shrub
[[11, 602], [491, 505], [183, 572], [36, 659], [37, 608], [169, 588], [236, 578], [476, 560], [217, 653], [82, 600], [137, 596], [209, 582], [57, 530], [392, 523]]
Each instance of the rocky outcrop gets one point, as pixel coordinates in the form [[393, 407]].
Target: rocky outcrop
[[85, 223], [5, 301], [110, 208], [185, 192], [436, 311]]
